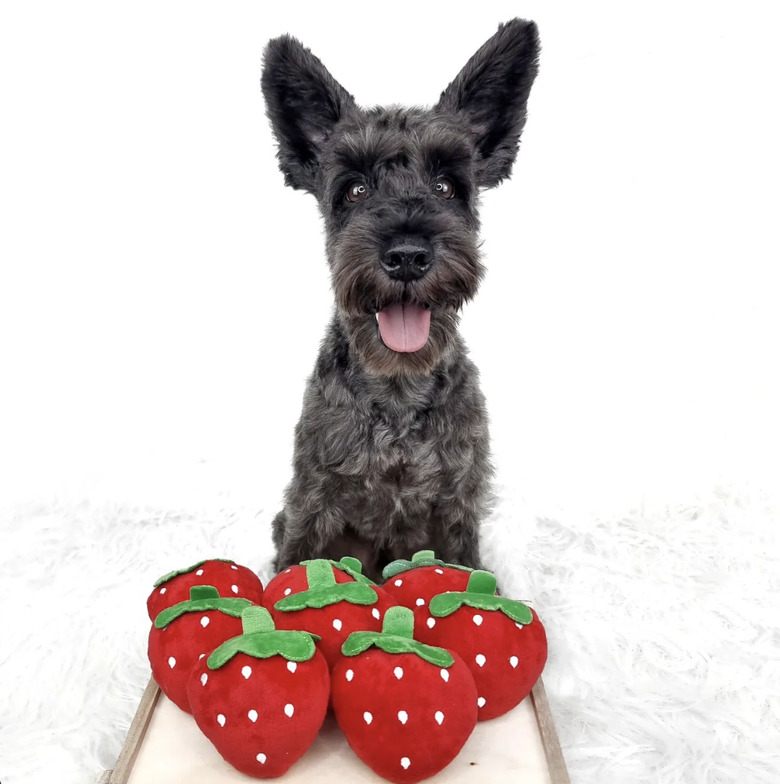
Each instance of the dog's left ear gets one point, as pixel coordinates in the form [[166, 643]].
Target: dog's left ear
[[304, 103], [491, 93]]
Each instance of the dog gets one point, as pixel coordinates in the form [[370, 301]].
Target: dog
[[392, 449]]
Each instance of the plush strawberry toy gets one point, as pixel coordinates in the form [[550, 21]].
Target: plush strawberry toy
[[405, 708], [189, 630], [293, 579], [261, 697], [328, 602], [227, 577], [414, 583], [502, 641]]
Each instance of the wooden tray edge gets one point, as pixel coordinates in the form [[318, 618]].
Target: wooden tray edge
[[124, 764], [135, 736], [552, 746]]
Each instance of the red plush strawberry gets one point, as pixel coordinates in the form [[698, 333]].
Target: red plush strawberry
[[293, 579], [414, 583], [327, 602], [502, 641], [189, 630], [261, 697], [405, 708], [227, 577]]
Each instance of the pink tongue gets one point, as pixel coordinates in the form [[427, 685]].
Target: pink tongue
[[404, 327]]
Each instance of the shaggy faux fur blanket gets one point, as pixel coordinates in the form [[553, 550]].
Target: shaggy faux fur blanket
[[664, 663]]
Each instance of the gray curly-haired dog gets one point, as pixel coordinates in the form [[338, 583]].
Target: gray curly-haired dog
[[391, 451]]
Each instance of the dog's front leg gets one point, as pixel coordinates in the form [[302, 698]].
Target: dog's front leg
[[457, 521], [301, 533], [466, 496], [317, 502]]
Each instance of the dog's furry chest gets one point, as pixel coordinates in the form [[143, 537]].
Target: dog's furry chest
[[392, 450], [386, 462], [396, 464], [385, 466]]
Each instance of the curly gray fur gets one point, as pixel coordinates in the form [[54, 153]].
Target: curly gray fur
[[392, 448]]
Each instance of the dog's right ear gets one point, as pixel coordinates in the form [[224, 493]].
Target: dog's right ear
[[490, 95], [304, 103]]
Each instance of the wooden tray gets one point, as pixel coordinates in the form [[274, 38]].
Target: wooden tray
[[165, 746]]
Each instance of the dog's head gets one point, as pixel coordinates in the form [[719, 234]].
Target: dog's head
[[398, 189]]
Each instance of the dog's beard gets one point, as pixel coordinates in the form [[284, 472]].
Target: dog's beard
[[376, 358], [397, 328]]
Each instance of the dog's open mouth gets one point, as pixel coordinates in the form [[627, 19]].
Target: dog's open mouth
[[404, 327]]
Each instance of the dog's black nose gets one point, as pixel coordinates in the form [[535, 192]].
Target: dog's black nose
[[408, 261]]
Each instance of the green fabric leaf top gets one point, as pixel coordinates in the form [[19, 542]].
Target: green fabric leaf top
[[324, 590], [350, 566], [480, 594], [261, 640], [202, 598], [171, 575], [420, 558], [397, 636]]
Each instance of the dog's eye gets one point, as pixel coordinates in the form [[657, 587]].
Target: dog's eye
[[444, 188], [357, 192]]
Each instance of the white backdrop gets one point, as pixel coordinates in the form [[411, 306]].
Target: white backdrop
[[162, 295]]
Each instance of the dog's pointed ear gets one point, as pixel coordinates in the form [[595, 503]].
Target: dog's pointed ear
[[491, 93], [303, 102]]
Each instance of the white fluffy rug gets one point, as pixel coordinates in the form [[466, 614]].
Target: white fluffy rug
[[664, 663]]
